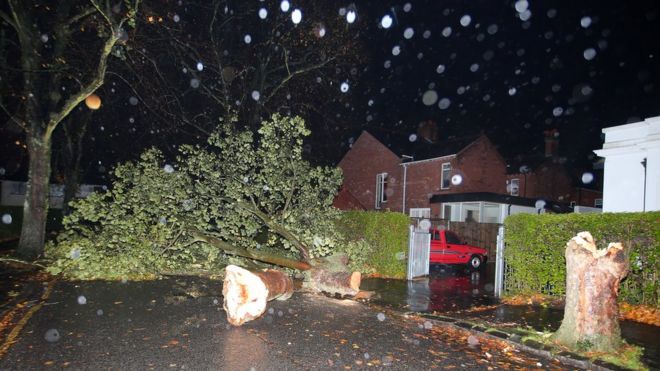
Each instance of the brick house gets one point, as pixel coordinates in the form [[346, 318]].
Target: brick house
[[464, 178], [382, 180]]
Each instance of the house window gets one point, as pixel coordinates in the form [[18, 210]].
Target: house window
[[381, 190], [446, 175], [598, 202], [18, 188], [514, 187], [420, 213]]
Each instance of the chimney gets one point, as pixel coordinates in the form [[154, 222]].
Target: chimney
[[551, 142]]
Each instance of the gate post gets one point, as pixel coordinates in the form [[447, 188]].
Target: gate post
[[499, 263], [411, 253]]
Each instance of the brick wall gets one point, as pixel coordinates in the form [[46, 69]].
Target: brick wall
[[367, 158]]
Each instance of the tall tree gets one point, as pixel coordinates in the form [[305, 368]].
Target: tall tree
[[62, 49]]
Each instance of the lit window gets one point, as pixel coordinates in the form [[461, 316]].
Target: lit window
[[381, 189], [514, 189], [446, 175]]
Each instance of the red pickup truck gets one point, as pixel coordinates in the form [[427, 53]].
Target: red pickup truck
[[448, 248]]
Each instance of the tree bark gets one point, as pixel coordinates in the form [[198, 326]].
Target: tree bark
[[35, 207], [247, 292], [591, 313]]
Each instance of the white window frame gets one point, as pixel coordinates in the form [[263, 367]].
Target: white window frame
[[420, 212], [514, 191], [445, 166], [381, 196], [598, 202]]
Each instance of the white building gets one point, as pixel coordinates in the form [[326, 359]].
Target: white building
[[13, 193], [632, 166]]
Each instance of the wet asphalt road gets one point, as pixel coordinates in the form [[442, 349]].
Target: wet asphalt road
[[179, 324]]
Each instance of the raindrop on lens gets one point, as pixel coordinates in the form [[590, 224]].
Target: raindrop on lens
[[350, 16], [381, 317], [440, 68], [194, 83], [540, 204], [52, 335], [344, 87], [263, 13], [247, 39], [587, 178], [82, 300], [168, 168], [396, 50], [444, 103], [412, 137], [133, 101], [456, 179], [75, 253], [466, 20], [296, 16], [99, 312], [176, 18], [430, 97], [284, 5], [446, 32], [408, 33], [589, 54], [407, 7], [6, 218], [585, 22], [386, 21], [256, 95]]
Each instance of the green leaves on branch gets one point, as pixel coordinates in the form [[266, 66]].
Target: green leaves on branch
[[250, 191]]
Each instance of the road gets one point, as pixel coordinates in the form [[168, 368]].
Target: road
[[179, 324]]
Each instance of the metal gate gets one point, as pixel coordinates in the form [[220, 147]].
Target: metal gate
[[419, 246]]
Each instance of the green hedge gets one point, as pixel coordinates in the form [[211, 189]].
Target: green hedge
[[535, 246], [386, 237]]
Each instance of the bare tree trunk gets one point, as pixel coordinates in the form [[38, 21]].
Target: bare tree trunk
[[246, 293], [591, 314], [35, 207]]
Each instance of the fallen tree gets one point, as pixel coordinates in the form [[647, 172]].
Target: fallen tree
[[246, 292]]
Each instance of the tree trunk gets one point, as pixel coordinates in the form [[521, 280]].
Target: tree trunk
[[246, 293], [342, 283], [591, 313], [35, 207]]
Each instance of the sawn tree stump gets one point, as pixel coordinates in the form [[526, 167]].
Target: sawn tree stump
[[246, 293], [591, 313]]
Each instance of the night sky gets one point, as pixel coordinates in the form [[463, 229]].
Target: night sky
[[510, 69]]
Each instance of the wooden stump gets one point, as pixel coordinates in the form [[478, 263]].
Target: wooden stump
[[591, 313], [246, 293]]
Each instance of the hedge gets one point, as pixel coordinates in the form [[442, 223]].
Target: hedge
[[535, 246], [386, 237]]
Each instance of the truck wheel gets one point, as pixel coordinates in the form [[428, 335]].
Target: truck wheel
[[475, 262]]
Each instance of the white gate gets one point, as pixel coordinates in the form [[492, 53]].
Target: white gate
[[419, 246], [499, 263]]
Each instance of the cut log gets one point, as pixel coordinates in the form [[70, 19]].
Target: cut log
[[332, 282], [591, 313], [246, 293]]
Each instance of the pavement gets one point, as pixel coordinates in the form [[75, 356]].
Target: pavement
[[178, 323]]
